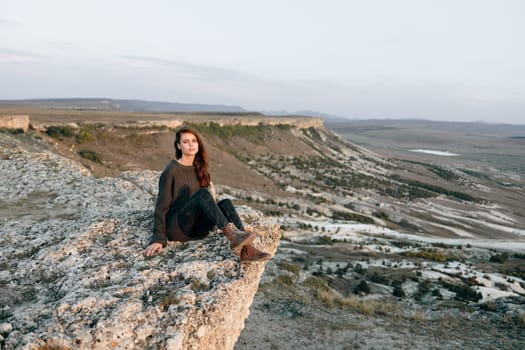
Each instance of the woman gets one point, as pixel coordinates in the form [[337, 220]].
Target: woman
[[186, 209]]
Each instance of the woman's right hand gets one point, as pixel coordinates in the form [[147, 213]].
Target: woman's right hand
[[153, 249]]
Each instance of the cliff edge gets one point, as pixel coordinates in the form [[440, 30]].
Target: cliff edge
[[73, 274]]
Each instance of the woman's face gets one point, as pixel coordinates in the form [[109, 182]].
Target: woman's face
[[188, 144]]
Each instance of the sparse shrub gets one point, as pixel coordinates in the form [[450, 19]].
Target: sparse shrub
[[291, 267], [464, 292], [381, 215], [137, 139], [318, 273], [404, 223], [419, 317], [362, 288], [377, 278], [359, 269], [58, 131], [197, 285], [491, 305], [431, 254], [253, 133], [501, 286], [325, 240], [169, 300], [90, 155], [499, 258], [398, 291], [521, 319], [85, 134], [316, 283], [342, 215], [437, 293], [12, 131], [423, 288], [211, 274], [285, 280]]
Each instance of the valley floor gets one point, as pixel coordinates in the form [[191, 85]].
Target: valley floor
[[287, 315]]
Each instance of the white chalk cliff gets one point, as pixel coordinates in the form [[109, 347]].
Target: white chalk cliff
[[72, 273]]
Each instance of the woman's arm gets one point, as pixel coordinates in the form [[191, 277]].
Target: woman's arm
[[164, 199]]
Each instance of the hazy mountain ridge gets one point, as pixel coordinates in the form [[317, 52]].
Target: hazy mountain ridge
[[124, 105]]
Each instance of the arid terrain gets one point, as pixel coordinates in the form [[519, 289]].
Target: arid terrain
[[393, 239]]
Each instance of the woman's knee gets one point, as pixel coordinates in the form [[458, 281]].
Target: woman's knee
[[203, 193], [225, 203]]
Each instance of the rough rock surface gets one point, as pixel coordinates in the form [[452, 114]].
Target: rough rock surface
[[72, 273], [14, 122]]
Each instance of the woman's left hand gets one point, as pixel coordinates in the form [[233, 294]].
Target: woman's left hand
[[153, 249]]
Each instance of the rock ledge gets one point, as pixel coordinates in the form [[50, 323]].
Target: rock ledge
[[73, 275]]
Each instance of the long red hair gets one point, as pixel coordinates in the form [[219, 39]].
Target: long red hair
[[201, 161]]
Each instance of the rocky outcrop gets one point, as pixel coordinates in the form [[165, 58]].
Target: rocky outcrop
[[72, 273], [14, 122], [177, 120]]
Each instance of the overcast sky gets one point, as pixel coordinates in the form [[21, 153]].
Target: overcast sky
[[457, 60]]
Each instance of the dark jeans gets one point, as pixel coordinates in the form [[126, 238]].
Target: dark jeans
[[200, 214]]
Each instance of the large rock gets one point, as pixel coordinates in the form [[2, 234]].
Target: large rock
[[14, 122], [73, 274]]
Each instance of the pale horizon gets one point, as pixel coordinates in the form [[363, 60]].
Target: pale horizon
[[409, 59]]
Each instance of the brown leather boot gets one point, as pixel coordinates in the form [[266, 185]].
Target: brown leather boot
[[238, 238], [250, 253]]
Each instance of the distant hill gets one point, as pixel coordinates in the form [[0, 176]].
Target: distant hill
[[337, 123], [308, 113], [466, 128], [124, 105]]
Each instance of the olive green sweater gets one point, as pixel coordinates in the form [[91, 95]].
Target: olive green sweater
[[177, 184]]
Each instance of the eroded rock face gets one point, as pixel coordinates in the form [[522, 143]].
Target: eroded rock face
[[72, 272], [14, 122]]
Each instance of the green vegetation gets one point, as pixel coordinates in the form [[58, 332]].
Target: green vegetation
[[12, 131], [313, 133], [86, 134], [398, 290], [60, 131], [463, 292], [423, 288], [324, 239], [362, 288], [439, 171], [343, 215], [381, 215], [443, 173], [499, 258], [256, 134], [425, 187], [476, 174], [377, 278], [90, 155]]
